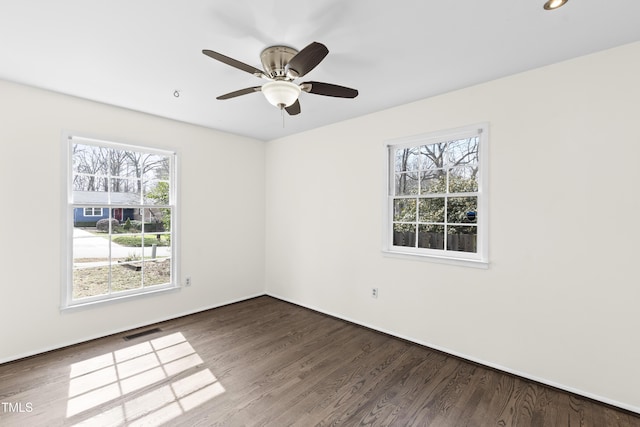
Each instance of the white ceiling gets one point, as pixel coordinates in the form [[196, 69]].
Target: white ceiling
[[137, 53]]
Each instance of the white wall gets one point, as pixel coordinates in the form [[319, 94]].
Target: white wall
[[559, 302], [222, 218]]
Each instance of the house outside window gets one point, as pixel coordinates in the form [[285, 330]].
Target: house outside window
[[436, 196], [120, 215]]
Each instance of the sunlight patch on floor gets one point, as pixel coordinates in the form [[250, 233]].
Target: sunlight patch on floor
[[104, 381]]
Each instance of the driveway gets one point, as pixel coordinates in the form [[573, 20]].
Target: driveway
[[87, 245]]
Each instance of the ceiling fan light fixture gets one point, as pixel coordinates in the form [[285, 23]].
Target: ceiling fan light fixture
[[281, 93], [554, 4]]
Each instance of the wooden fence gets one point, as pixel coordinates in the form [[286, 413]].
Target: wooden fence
[[455, 242]]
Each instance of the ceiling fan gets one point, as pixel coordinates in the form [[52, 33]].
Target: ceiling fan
[[282, 65]]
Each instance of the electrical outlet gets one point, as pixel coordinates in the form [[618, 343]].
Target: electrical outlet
[[187, 281], [374, 292]]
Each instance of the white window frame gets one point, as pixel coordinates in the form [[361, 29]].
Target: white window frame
[[67, 301], [479, 259], [93, 211]]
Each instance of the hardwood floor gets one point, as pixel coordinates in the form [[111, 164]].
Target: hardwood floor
[[264, 362]]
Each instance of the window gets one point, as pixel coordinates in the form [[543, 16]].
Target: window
[[436, 195], [92, 211], [131, 249]]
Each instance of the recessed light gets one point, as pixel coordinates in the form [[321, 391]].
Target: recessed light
[[554, 4]]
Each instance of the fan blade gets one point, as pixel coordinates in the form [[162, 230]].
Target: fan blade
[[240, 92], [328, 89], [307, 59], [294, 108], [235, 63]]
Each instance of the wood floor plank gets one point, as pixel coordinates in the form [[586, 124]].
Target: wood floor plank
[[265, 362]]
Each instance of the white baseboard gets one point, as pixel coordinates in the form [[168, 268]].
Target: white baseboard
[[124, 329], [498, 367]]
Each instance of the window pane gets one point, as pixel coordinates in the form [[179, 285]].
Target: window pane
[[91, 197], [130, 224], [90, 264], [463, 151], [162, 242], [433, 156], [162, 219], [89, 159], [433, 182], [130, 187], [462, 238], [90, 167], [122, 164], [431, 210], [156, 271], [156, 192], [462, 210], [157, 259], [407, 159], [157, 220], [463, 179], [404, 235], [158, 168], [126, 252], [431, 236], [406, 184], [90, 281], [126, 273], [85, 182], [404, 210]]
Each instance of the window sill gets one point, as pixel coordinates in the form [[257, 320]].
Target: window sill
[[102, 302], [462, 262]]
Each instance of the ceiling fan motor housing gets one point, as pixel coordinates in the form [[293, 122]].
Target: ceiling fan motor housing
[[275, 59]]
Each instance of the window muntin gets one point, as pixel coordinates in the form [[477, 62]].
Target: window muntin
[[436, 202], [131, 251]]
